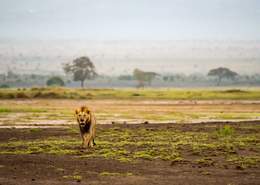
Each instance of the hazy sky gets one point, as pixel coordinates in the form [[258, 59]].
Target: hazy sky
[[130, 19]]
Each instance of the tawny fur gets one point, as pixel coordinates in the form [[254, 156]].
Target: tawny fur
[[87, 126]]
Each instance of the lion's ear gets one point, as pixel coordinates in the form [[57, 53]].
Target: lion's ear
[[77, 111]]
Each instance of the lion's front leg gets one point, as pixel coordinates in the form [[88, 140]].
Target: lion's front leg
[[91, 143], [83, 142], [86, 140]]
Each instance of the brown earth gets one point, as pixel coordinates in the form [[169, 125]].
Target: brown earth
[[58, 169]]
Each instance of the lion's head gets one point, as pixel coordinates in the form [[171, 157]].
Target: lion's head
[[83, 115]]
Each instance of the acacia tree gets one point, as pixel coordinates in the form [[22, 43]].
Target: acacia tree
[[149, 77], [82, 69], [221, 73], [139, 76], [142, 77]]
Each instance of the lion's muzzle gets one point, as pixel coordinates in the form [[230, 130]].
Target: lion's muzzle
[[82, 121]]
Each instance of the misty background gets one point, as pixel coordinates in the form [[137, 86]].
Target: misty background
[[181, 39]]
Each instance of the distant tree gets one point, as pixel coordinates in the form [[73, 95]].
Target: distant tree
[[195, 77], [150, 76], [11, 75], [33, 76], [142, 77], [2, 77], [166, 78], [82, 69], [139, 76], [222, 73], [4, 86], [55, 81]]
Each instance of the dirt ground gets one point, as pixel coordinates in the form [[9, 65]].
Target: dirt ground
[[46, 168]]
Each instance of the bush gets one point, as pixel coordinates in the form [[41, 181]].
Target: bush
[[48, 95], [55, 81], [21, 95], [4, 95], [4, 86], [235, 91]]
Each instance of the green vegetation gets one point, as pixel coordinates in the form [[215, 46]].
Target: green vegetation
[[205, 161], [222, 73], [58, 146], [55, 81], [243, 162], [143, 143], [22, 109], [131, 94], [225, 131], [81, 69], [4, 86], [143, 76]]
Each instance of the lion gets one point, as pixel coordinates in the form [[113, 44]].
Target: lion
[[87, 126]]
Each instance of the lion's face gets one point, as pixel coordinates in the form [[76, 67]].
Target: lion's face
[[83, 115]]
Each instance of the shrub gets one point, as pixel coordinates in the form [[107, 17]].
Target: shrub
[[55, 81], [48, 95], [4, 86], [21, 95], [235, 91]]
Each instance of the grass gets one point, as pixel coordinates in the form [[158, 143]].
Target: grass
[[130, 94], [130, 146], [21, 110], [226, 130], [50, 146], [5, 110], [205, 161], [243, 162]]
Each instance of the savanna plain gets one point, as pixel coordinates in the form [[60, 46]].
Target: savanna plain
[[144, 136]]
